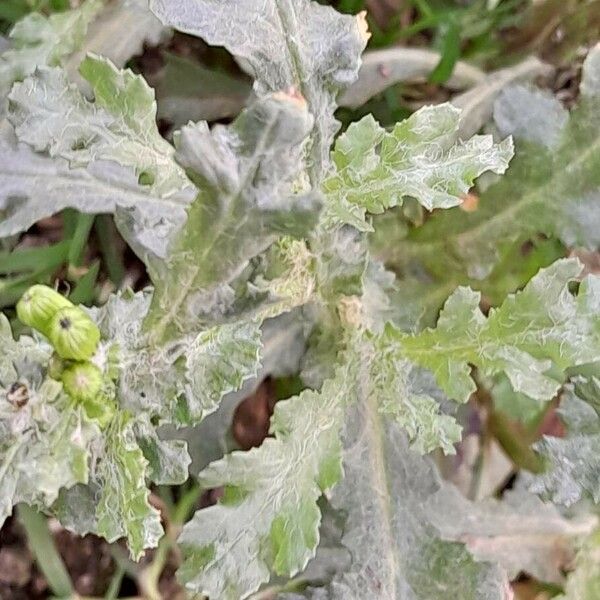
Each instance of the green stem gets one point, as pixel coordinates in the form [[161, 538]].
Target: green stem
[[44, 550], [115, 584], [150, 576]]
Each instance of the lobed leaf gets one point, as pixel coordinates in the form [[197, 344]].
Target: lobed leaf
[[183, 381], [39, 41], [44, 439], [50, 114], [541, 326], [551, 188], [293, 44], [34, 186], [247, 178], [395, 547], [268, 519], [422, 157], [573, 462], [114, 503]]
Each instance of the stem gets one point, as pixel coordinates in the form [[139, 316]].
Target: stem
[[41, 544], [115, 583], [148, 579]]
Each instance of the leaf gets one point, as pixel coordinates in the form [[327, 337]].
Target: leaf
[[168, 460], [247, 179], [122, 507], [38, 40], [541, 326], [118, 33], [396, 549], [268, 519], [549, 190], [409, 397], [519, 532], [114, 504], [421, 157], [584, 582], [188, 91], [34, 186], [185, 380], [44, 438], [294, 43], [51, 115], [573, 462]]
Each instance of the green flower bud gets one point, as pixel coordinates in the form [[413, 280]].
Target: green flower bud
[[82, 381], [73, 334], [38, 305]]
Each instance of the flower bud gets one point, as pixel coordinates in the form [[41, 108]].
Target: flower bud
[[82, 381], [38, 305], [73, 334]]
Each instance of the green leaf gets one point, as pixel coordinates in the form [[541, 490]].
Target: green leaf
[[44, 439], [421, 157], [396, 548], [34, 186], [122, 496], [584, 582], [114, 504], [294, 44], [418, 538], [409, 397], [551, 188], [449, 47], [50, 114], [168, 460], [183, 381], [573, 462], [247, 179], [268, 519], [118, 33], [541, 326], [39, 40]]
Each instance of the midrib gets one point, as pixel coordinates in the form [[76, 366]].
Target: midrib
[[380, 486], [298, 71], [191, 280]]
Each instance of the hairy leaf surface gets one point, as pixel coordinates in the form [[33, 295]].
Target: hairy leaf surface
[[397, 551], [540, 326], [268, 519], [52, 115], [552, 188], [44, 438], [246, 175], [183, 381], [573, 462], [421, 157], [291, 44], [114, 503], [34, 186], [39, 41]]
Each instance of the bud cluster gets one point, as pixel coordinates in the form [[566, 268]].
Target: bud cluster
[[75, 338]]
